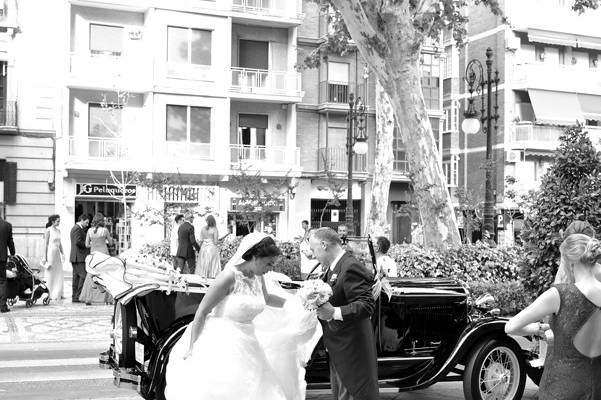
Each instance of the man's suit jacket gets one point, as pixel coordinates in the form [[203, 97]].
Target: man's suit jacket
[[6, 240], [79, 251], [186, 241], [351, 343]]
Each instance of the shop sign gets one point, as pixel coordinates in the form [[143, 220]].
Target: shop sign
[[250, 205], [104, 190]]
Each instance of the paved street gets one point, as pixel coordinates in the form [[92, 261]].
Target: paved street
[[51, 353]]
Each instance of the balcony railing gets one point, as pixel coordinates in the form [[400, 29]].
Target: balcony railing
[[261, 81], [8, 114], [103, 69], [98, 148], [272, 8], [542, 137], [335, 92], [558, 77], [265, 155], [334, 159]]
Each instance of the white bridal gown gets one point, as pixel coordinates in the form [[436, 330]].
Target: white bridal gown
[[239, 357]]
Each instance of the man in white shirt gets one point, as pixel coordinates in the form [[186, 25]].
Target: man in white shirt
[[179, 218], [347, 331]]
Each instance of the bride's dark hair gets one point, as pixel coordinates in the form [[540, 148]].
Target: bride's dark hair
[[265, 248]]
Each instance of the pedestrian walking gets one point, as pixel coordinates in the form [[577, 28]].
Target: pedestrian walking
[[54, 256], [178, 220], [186, 245], [78, 254], [98, 239], [209, 260], [6, 242], [307, 262]]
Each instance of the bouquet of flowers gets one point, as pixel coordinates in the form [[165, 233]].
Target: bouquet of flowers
[[314, 293]]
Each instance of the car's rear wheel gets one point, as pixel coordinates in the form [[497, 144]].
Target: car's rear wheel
[[495, 371]]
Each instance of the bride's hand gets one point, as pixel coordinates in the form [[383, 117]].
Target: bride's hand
[[188, 353]]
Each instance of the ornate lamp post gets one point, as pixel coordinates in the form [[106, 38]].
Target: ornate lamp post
[[474, 77], [356, 141]]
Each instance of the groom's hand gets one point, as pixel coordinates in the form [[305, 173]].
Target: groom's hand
[[325, 312]]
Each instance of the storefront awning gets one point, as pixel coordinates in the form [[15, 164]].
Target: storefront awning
[[588, 42], [557, 108], [547, 37], [590, 106]]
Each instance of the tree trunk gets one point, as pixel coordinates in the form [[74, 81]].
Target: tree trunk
[[377, 221], [390, 44]]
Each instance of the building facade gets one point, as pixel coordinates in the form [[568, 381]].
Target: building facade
[[28, 121], [549, 78]]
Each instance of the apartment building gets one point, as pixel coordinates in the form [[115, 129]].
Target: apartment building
[[194, 89], [550, 78], [322, 133], [28, 121]]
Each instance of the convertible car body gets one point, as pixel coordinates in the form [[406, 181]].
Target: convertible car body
[[427, 331]]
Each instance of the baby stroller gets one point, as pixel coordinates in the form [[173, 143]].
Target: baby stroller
[[23, 283]]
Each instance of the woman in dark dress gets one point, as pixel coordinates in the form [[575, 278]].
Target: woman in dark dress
[[573, 364]]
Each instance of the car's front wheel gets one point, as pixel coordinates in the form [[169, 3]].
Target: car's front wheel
[[495, 371]]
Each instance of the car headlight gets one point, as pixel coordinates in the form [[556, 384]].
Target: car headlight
[[485, 301]]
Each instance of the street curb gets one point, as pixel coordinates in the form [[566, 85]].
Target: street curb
[[81, 345]]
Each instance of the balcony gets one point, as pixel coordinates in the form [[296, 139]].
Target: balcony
[[557, 77], [189, 151], [545, 138], [335, 160], [105, 71], [267, 85], [265, 158], [254, 11], [8, 115]]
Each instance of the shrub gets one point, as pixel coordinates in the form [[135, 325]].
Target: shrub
[[511, 296], [467, 262], [569, 190]]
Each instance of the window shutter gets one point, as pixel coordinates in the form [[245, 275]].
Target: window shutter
[[10, 183]]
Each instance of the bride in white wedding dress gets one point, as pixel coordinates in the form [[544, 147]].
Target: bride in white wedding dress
[[226, 354]]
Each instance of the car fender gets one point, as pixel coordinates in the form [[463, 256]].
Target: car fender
[[158, 360], [472, 334]]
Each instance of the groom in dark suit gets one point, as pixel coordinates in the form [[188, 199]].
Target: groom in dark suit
[[185, 256], [78, 254], [347, 330]]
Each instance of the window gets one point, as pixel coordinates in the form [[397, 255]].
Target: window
[[188, 124], [188, 46], [451, 118], [448, 63], [431, 81], [435, 124], [450, 169], [338, 82], [399, 152], [106, 39], [252, 132], [104, 121], [539, 53]]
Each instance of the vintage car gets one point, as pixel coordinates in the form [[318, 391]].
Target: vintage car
[[427, 331]]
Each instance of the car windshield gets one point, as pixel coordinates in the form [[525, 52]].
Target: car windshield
[[361, 248]]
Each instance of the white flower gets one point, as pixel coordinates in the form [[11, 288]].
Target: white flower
[[314, 293]]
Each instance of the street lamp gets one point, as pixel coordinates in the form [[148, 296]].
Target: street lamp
[[474, 77], [356, 142]]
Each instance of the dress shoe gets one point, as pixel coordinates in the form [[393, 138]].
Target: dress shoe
[[75, 301], [4, 309]]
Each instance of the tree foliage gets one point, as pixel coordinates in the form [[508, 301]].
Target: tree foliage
[[570, 190]]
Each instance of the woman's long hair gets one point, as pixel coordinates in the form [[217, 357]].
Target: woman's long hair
[[211, 223], [52, 219], [98, 221]]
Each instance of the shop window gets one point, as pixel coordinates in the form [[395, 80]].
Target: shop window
[[188, 124], [106, 39], [188, 46]]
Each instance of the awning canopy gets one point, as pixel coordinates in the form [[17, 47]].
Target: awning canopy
[[548, 37], [590, 106], [557, 108], [588, 42]]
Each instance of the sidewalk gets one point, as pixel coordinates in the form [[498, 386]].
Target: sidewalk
[[59, 323]]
